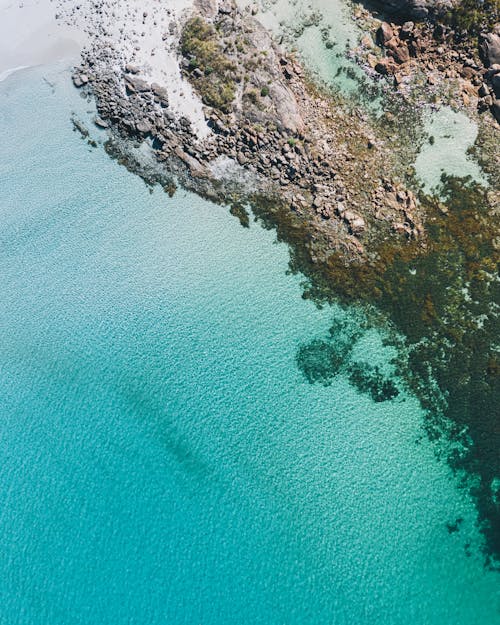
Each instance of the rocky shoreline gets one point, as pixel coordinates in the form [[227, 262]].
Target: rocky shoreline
[[404, 50], [280, 131], [338, 185]]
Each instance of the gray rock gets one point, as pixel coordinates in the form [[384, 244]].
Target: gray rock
[[143, 127], [384, 33], [135, 84], [79, 80], [495, 81], [490, 49], [131, 69], [98, 121]]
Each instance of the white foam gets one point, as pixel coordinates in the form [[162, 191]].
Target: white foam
[[5, 74]]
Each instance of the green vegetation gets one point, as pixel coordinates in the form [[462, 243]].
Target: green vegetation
[[473, 16], [217, 74], [264, 92]]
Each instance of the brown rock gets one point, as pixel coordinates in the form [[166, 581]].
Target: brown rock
[[384, 66], [401, 54], [384, 33]]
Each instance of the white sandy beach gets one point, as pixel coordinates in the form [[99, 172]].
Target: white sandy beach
[[145, 33], [31, 35]]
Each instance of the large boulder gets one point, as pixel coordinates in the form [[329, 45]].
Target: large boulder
[[496, 110], [384, 34], [490, 48], [418, 9]]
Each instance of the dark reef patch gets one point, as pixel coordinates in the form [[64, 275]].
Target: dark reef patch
[[321, 360], [369, 379]]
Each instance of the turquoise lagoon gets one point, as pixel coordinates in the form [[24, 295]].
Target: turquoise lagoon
[[162, 458]]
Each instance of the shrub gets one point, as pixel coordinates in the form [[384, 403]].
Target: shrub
[[201, 45]]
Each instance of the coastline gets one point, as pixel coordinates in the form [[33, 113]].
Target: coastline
[[338, 184], [329, 177]]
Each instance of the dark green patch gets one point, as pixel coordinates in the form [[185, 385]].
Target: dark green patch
[[371, 381], [202, 47], [239, 211]]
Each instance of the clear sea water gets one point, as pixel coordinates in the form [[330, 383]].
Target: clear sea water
[[303, 25], [453, 133], [162, 458], [322, 44]]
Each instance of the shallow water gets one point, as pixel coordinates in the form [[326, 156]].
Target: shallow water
[[450, 134], [323, 33], [163, 459], [303, 24]]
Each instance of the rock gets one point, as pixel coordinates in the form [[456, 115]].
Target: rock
[[418, 9], [401, 54], [367, 42], [160, 93], [225, 7], [356, 223], [384, 66], [318, 202], [143, 127], [393, 43], [196, 169], [326, 212], [406, 30], [467, 72], [131, 69], [493, 69], [135, 84], [98, 121], [495, 82], [490, 49], [483, 90], [485, 103], [401, 228], [79, 80], [384, 34]]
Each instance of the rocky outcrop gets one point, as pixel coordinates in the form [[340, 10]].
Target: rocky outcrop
[[418, 9], [287, 139], [490, 48], [412, 49]]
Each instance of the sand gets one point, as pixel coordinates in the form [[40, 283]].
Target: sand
[[30, 35], [144, 32]]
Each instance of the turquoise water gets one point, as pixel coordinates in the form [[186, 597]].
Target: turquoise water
[[322, 32], [453, 134], [163, 459]]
